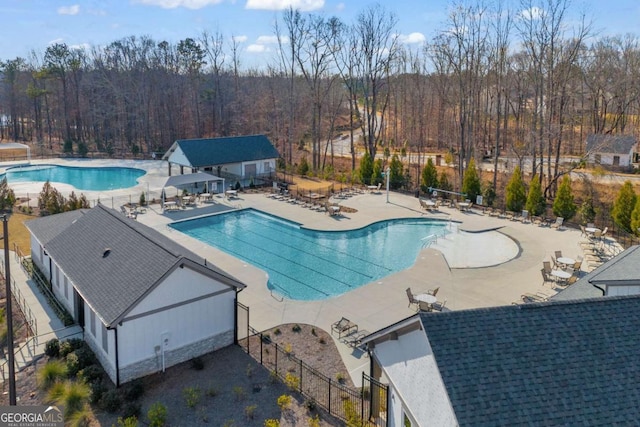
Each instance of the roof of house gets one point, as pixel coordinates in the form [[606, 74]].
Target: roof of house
[[227, 150], [554, 363], [605, 143], [114, 261], [621, 270]]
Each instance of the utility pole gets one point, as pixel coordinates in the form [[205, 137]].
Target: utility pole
[[9, 314]]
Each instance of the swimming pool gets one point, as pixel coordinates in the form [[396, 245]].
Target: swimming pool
[[82, 178], [305, 264]]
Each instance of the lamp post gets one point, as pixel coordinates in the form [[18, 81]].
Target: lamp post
[[9, 313], [387, 173]]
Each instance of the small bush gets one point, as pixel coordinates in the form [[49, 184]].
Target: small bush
[[212, 391], [68, 346], [157, 415], [310, 404], [266, 338], [288, 348], [110, 401], [197, 364], [133, 390], [277, 331], [91, 374], [313, 332], [127, 422], [191, 396], [314, 422], [51, 372], [97, 391], [272, 422], [296, 328], [340, 377], [239, 393], [250, 411], [322, 341], [292, 381], [73, 364], [284, 402], [74, 397], [131, 410], [52, 348]]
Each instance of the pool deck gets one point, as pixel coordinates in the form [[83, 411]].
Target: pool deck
[[469, 267]]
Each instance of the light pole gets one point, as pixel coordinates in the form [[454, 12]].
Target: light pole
[[387, 173], [9, 313]]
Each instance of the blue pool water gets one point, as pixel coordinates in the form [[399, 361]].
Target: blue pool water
[[310, 265], [82, 178]]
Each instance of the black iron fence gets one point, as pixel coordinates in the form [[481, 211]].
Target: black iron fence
[[364, 406]]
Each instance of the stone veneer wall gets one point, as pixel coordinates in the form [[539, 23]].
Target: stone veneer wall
[[106, 364], [175, 356]]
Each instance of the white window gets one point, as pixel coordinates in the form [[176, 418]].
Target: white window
[[105, 338], [92, 322]]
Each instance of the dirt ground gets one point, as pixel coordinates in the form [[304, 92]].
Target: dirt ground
[[232, 388]]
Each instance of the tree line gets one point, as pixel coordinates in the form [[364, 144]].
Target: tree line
[[519, 78]]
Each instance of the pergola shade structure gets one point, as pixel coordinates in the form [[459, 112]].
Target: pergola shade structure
[[190, 180]]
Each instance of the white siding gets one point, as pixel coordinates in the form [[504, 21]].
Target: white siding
[[614, 291], [414, 381], [184, 325], [607, 158], [179, 158], [183, 284], [234, 168]]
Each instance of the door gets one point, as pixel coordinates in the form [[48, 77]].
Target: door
[[79, 308], [250, 170]]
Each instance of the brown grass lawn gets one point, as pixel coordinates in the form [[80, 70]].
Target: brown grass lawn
[[18, 233]]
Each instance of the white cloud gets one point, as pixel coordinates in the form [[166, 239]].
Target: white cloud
[[413, 38], [267, 40], [532, 13], [257, 48], [302, 5], [69, 10], [340, 7], [83, 46], [172, 4], [56, 41], [240, 39]]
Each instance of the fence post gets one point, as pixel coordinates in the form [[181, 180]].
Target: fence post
[[362, 397], [329, 405], [276, 358], [261, 348], [300, 375]]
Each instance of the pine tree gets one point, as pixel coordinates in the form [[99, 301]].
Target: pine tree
[[376, 174], [535, 199], [366, 168], [635, 218], [471, 184], [516, 195], [623, 206], [429, 176], [396, 173], [563, 205]]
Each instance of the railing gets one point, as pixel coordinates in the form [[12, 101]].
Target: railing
[[43, 285], [22, 303], [365, 406]]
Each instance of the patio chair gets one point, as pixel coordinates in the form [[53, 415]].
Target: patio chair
[[425, 306], [412, 300], [433, 292], [438, 306], [354, 339], [583, 231], [525, 216], [558, 223], [344, 326], [577, 265], [545, 277], [546, 267]]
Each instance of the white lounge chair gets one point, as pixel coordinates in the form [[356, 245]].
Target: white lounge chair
[[558, 223]]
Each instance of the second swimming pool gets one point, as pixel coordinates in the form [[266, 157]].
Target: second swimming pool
[[305, 264], [82, 178]]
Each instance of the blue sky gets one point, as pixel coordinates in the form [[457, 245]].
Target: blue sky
[[34, 24]]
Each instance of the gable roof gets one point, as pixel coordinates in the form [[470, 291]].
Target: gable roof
[[222, 151], [114, 261], [619, 144], [623, 269], [553, 363]]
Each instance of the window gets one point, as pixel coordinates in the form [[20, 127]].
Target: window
[[616, 160], [66, 287], [58, 275], [92, 322], [267, 167], [105, 338]]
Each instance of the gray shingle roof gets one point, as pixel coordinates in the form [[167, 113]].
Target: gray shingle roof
[[222, 151], [137, 259], [48, 227], [623, 269], [619, 144], [554, 363]]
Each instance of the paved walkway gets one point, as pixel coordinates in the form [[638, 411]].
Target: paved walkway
[[44, 321]]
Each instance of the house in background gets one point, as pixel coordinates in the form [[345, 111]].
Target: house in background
[[237, 158], [145, 302], [611, 150], [550, 363]]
